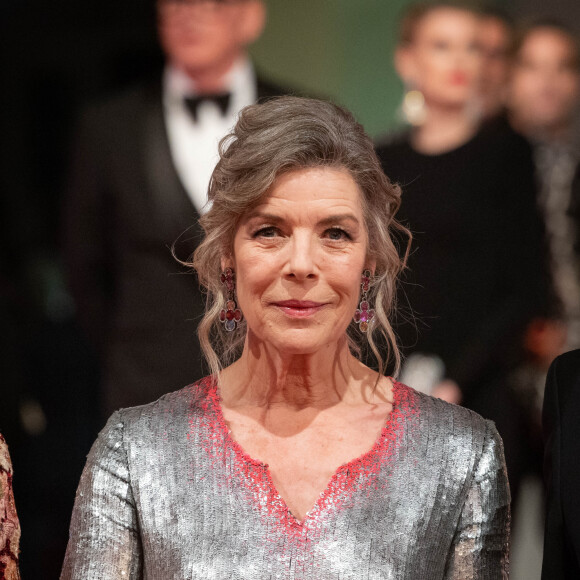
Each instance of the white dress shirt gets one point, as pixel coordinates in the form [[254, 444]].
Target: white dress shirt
[[194, 144]]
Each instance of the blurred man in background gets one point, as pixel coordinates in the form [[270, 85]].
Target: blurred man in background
[[138, 184], [544, 87], [496, 31], [543, 102]]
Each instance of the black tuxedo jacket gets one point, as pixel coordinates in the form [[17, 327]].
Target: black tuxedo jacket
[[125, 208], [562, 469]]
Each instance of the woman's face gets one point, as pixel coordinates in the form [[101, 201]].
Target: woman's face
[[299, 257], [444, 60]]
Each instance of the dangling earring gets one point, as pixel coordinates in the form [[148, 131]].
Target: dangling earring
[[413, 108], [364, 314], [231, 314]]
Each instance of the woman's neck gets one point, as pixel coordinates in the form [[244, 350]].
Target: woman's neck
[[266, 378], [444, 130]]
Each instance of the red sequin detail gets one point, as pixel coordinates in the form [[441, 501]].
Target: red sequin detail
[[360, 474]]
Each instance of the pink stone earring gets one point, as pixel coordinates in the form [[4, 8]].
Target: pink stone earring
[[364, 314], [231, 314]]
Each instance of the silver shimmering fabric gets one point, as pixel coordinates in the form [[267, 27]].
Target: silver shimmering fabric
[[168, 494]]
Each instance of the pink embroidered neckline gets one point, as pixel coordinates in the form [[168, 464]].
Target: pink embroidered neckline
[[360, 470]]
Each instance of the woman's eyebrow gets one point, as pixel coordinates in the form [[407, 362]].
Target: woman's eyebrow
[[333, 219], [263, 215]]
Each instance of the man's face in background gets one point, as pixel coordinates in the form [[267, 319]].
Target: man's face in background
[[202, 36]]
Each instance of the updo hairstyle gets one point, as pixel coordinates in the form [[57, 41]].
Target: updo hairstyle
[[273, 138]]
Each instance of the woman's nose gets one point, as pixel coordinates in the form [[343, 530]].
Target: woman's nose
[[301, 263]]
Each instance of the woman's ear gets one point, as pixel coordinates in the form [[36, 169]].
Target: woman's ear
[[404, 65], [371, 266], [227, 262]]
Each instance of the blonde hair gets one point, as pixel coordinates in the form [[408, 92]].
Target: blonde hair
[[272, 138]]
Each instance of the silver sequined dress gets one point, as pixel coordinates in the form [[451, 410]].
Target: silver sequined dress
[[168, 494]]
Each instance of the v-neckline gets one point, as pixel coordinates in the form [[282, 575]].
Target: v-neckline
[[342, 478]]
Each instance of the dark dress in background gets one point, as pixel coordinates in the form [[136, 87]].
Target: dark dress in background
[[477, 272], [475, 275]]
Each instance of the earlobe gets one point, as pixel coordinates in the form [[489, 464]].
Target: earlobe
[[227, 262]]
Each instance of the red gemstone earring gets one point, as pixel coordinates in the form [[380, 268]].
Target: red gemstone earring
[[364, 314], [231, 314]]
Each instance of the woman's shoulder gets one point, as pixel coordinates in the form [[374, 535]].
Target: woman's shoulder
[[170, 412], [451, 425]]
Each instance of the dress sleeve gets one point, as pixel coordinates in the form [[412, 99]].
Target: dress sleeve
[[9, 526], [480, 547], [104, 542]]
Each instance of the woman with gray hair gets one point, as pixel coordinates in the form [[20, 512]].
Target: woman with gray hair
[[293, 459]]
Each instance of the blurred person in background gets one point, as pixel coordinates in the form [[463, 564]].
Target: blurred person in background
[[543, 91], [496, 30], [476, 274], [543, 105], [561, 470], [141, 167], [9, 526]]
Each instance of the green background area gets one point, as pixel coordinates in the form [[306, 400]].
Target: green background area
[[341, 49]]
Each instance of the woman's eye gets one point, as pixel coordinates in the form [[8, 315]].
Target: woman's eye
[[440, 45], [337, 234], [474, 47], [267, 232]]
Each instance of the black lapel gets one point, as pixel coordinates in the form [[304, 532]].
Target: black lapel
[[174, 211]]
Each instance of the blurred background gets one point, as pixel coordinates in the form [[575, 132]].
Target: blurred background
[[55, 58]]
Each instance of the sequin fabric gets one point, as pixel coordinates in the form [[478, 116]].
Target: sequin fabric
[[168, 494], [9, 526]]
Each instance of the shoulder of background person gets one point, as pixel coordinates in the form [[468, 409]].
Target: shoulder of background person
[[116, 121], [124, 104], [396, 155], [504, 139], [393, 139], [566, 370]]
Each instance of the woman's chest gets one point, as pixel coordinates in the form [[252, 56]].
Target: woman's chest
[[303, 454], [221, 518]]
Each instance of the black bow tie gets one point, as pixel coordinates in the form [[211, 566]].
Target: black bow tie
[[222, 100]]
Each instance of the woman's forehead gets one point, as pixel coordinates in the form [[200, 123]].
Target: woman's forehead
[[314, 186]]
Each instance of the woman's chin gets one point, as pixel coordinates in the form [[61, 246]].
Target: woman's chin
[[300, 342]]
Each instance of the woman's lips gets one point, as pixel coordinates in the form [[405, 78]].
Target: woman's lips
[[458, 78], [299, 308]]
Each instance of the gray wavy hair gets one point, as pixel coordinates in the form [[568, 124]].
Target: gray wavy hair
[[276, 137]]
